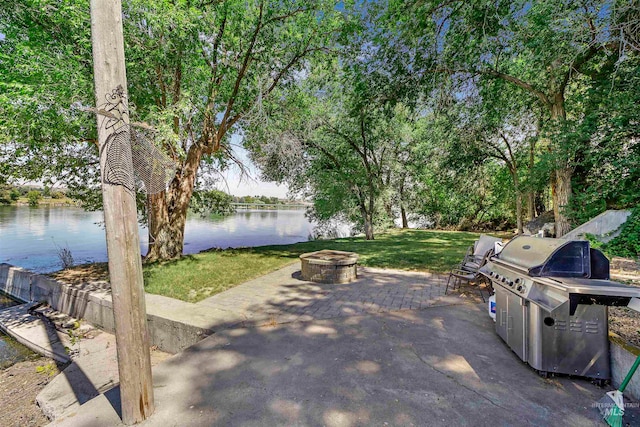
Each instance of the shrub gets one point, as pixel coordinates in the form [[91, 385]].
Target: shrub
[[211, 202], [627, 244], [34, 197], [14, 194], [5, 197], [65, 256]]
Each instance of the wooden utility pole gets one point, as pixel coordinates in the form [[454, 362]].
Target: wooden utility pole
[[120, 216]]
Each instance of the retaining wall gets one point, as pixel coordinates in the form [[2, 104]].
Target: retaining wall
[[603, 226], [622, 357], [168, 330]]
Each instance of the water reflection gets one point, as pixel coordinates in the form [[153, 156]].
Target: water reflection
[[10, 351], [28, 236]]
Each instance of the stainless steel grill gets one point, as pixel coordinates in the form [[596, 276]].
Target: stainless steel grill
[[552, 299]]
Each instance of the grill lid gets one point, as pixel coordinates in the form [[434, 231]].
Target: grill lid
[[549, 257]]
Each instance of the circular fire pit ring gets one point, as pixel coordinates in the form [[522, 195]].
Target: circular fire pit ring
[[328, 266]]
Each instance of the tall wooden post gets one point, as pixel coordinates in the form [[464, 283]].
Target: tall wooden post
[[120, 216]]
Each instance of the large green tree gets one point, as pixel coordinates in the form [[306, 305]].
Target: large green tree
[[538, 47], [333, 142], [197, 71]]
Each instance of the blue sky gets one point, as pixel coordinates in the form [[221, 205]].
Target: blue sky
[[234, 183]]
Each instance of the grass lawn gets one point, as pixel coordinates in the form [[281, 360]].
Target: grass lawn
[[195, 277]]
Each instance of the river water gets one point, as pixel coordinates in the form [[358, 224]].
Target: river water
[[31, 237]]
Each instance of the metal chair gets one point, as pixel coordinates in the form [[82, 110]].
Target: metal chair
[[476, 257]]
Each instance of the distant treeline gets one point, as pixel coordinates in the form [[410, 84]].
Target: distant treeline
[[258, 199], [216, 202], [33, 196]]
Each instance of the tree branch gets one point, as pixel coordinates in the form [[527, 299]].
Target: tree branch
[[245, 64]]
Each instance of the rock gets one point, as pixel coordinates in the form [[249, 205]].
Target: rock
[[536, 224], [549, 229]]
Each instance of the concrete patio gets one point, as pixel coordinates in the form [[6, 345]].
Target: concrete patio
[[442, 365]]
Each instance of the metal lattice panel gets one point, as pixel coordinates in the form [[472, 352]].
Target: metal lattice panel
[[153, 167], [129, 152]]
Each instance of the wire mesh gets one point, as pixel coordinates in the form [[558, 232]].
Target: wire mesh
[[151, 166], [118, 165], [130, 154]]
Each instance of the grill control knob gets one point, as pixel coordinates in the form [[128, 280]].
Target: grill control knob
[[518, 280], [504, 279], [511, 283], [519, 288]]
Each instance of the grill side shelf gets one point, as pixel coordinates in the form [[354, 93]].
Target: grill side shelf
[[547, 298]]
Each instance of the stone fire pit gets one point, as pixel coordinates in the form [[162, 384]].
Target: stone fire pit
[[329, 266]]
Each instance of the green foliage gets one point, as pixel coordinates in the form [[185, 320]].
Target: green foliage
[[627, 244], [547, 57], [49, 370], [337, 143], [585, 206], [34, 197], [14, 195], [196, 72], [606, 127], [5, 197], [377, 104], [211, 202]]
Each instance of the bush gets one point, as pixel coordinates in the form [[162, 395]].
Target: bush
[[65, 256], [5, 197], [57, 195], [627, 244], [34, 197], [210, 202], [14, 194]]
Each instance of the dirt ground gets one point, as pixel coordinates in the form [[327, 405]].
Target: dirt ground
[[84, 273], [623, 321], [19, 386]]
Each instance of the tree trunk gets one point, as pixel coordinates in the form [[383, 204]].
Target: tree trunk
[[519, 221], [531, 205], [367, 217], [403, 214], [561, 195], [368, 228], [531, 194], [561, 181], [166, 230], [168, 212], [403, 211], [516, 186]]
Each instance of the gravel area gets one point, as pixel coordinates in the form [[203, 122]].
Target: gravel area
[[623, 321], [19, 386]]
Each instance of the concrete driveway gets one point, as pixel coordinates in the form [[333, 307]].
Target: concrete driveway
[[435, 366]]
